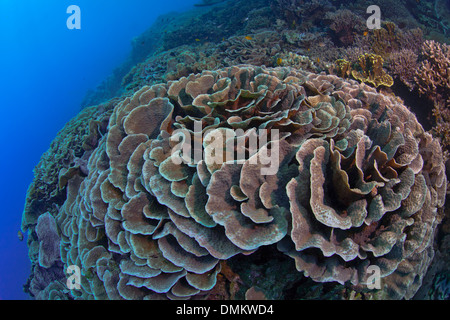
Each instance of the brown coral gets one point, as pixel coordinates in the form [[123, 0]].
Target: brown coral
[[345, 24], [357, 184], [403, 65], [307, 12], [389, 38], [433, 81], [257, 49], [433, 75], [368, 68]]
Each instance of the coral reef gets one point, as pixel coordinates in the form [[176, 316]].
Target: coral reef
[[389, 39], [296, 61], [433, 75], [433, 81], [305, 14], [436, 282], [370, 70], [403, 65], [260, 48], [219, 23], [442, 128], [344, 25], [49, 241], [172, 64], [324, 31], [257, 49], [66, 156], [193, 29], [358, 184], [433, 15]]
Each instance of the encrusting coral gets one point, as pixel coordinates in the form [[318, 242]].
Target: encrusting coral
[[358, 184]]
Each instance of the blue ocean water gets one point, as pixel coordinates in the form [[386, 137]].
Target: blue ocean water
[[45, 71]]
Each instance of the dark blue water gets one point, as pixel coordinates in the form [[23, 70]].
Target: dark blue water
[[45, 71]]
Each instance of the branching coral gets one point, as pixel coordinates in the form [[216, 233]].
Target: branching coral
[[442, 128], [357, 184], [433, 75], [344, 25], [433, 81], [388, 39], [403, 64]]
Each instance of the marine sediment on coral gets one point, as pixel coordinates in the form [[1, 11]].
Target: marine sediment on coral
[[359, 184]]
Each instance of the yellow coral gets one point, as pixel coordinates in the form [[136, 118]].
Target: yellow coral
[[371, 66], [343, 68]]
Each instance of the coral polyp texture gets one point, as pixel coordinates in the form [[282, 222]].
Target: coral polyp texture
[[358, 185]]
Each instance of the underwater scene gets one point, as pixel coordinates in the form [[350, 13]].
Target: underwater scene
[[225, 150]]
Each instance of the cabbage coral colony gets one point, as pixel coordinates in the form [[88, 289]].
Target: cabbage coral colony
[[358, 185]]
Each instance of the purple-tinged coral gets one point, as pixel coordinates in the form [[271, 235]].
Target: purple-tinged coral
[[403, 65], [49, 241], [344, 25]]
